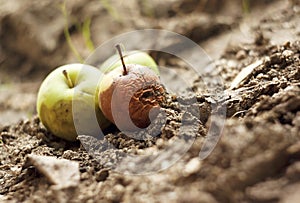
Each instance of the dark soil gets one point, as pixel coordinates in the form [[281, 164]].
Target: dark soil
[[257, 157]]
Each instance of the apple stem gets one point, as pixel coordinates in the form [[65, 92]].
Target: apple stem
[[70, 83], [118, 47]]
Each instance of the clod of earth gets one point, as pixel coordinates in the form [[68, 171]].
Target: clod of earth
[[62, 173]]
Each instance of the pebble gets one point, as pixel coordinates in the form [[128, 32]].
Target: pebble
[[242, 54], [192, 166], [159, 143], [119, 189], [287, 53], [69, 154], [102, 175]]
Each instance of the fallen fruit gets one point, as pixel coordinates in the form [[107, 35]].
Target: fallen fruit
[[65, 87], [130, 95], [132, 57]]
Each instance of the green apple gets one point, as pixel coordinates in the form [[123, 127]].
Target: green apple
[[132, 57], [67, 102]]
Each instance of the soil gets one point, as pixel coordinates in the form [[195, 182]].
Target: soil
[[257, 156]]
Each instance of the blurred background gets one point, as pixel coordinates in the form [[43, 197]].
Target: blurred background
[[39, 35]]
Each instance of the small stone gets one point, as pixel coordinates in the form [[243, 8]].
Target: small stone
[[84, 176], [287, 53], [174, 97], [60, 172], [260, 76], [242, 54], [68, 154], [102, 175], [40, 135], [192, 166], [119, 189], [159, 143]]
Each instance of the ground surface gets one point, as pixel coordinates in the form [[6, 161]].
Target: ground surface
[[257, 157]]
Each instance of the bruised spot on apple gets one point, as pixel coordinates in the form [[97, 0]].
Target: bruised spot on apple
[[130, 95], [67, 101]]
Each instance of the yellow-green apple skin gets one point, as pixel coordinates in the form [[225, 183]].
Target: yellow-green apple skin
[[132, 57], [70, 107]]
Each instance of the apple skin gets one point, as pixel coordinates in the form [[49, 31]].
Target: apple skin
[[131, 57], [61, 108], [131, 101]]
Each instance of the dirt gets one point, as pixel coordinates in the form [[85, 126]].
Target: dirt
[[257, 156]]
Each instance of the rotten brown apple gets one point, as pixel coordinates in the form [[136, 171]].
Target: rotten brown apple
[[130, 95]]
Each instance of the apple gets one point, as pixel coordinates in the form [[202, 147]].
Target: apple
[[67, 102], [130, 95], [131, 57]]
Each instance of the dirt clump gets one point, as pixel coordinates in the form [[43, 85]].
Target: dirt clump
[[255, 160]]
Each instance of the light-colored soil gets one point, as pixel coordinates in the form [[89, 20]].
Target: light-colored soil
[[257, 157]]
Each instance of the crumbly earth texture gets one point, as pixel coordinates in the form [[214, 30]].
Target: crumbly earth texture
[[256, 159]]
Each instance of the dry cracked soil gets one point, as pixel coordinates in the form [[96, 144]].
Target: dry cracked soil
[[254, 47]]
